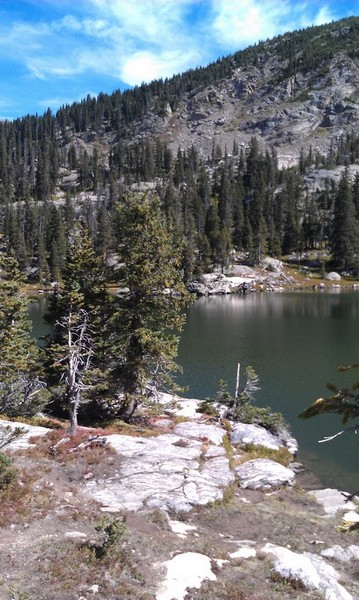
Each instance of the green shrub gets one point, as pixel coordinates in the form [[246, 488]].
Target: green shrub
[[256, 415], [242, 409], [7, 473], [112, 531]]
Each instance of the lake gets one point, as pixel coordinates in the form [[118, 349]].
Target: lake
[[295, 342]]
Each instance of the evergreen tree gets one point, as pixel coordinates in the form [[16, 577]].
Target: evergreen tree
[[344, 240], [22, 389], [78, 312], [149, 312]]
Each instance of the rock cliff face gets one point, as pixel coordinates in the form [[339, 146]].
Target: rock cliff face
[[308, 109]]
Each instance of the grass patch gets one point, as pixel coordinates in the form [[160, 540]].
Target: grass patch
[[77, 567], [253, 451], [21, 501], [89, 446]]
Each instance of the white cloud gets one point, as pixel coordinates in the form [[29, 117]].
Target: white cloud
[[239, 23], [149, 21], [146, 66], [141, 41], [242, 22]]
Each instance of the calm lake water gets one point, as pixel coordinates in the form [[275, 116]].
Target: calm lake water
[[295, 342]]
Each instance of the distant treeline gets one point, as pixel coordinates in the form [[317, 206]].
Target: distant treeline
[[56, 170]]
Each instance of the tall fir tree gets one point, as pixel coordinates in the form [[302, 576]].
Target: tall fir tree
[[78, 312], [344, 241], [22, 388], [149, 312]]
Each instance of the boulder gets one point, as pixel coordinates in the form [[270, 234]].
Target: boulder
[[246, 433], [333, 276], [183, 571], [310, 570], [263, 474], [332, 500]]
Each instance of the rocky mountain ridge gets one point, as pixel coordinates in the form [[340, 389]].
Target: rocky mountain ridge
[[305, 110]]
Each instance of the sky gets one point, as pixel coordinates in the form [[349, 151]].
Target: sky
[[56, 52]]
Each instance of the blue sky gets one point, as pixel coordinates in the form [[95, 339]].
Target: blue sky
[[55, 52]]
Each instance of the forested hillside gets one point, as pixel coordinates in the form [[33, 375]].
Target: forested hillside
[[256, 153]]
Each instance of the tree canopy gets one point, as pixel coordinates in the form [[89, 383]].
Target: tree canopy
[[149, 309]]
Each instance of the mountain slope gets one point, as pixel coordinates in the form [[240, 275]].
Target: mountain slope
[[287, 96]]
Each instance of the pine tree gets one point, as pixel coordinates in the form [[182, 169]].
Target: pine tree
[[344, 240], [148, 314], [78, 310], [22, 389]]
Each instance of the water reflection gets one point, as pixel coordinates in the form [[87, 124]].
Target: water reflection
[[295, 342]]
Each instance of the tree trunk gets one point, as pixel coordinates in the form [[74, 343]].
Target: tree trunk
[[128, 407]]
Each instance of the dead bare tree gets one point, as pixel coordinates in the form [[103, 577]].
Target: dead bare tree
[[74, 358]]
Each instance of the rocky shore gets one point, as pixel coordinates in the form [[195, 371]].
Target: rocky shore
[[203, 517], [271, 276]]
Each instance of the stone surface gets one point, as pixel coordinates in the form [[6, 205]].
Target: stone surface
[[29, 431], [168, 471], [332, 500], [312, 571], [201, 431], [342, 554], [183, 571], [246, 433], [351, 516], [181, 407], [245, 552], [182, 529], [263, 474]]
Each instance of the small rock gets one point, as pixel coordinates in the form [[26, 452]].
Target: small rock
[[94, 589], [343, 554], [183, 571], [244, 553], [75, 535], [263, 474], [312, 571], [182, 529], [297, 467], [332, 500]]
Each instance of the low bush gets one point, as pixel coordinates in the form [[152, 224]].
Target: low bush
[[7, 473]]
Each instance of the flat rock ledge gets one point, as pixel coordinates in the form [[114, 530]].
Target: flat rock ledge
[[172, 472], [263, 474], [28, 431], [245, 433], [180, 470]]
